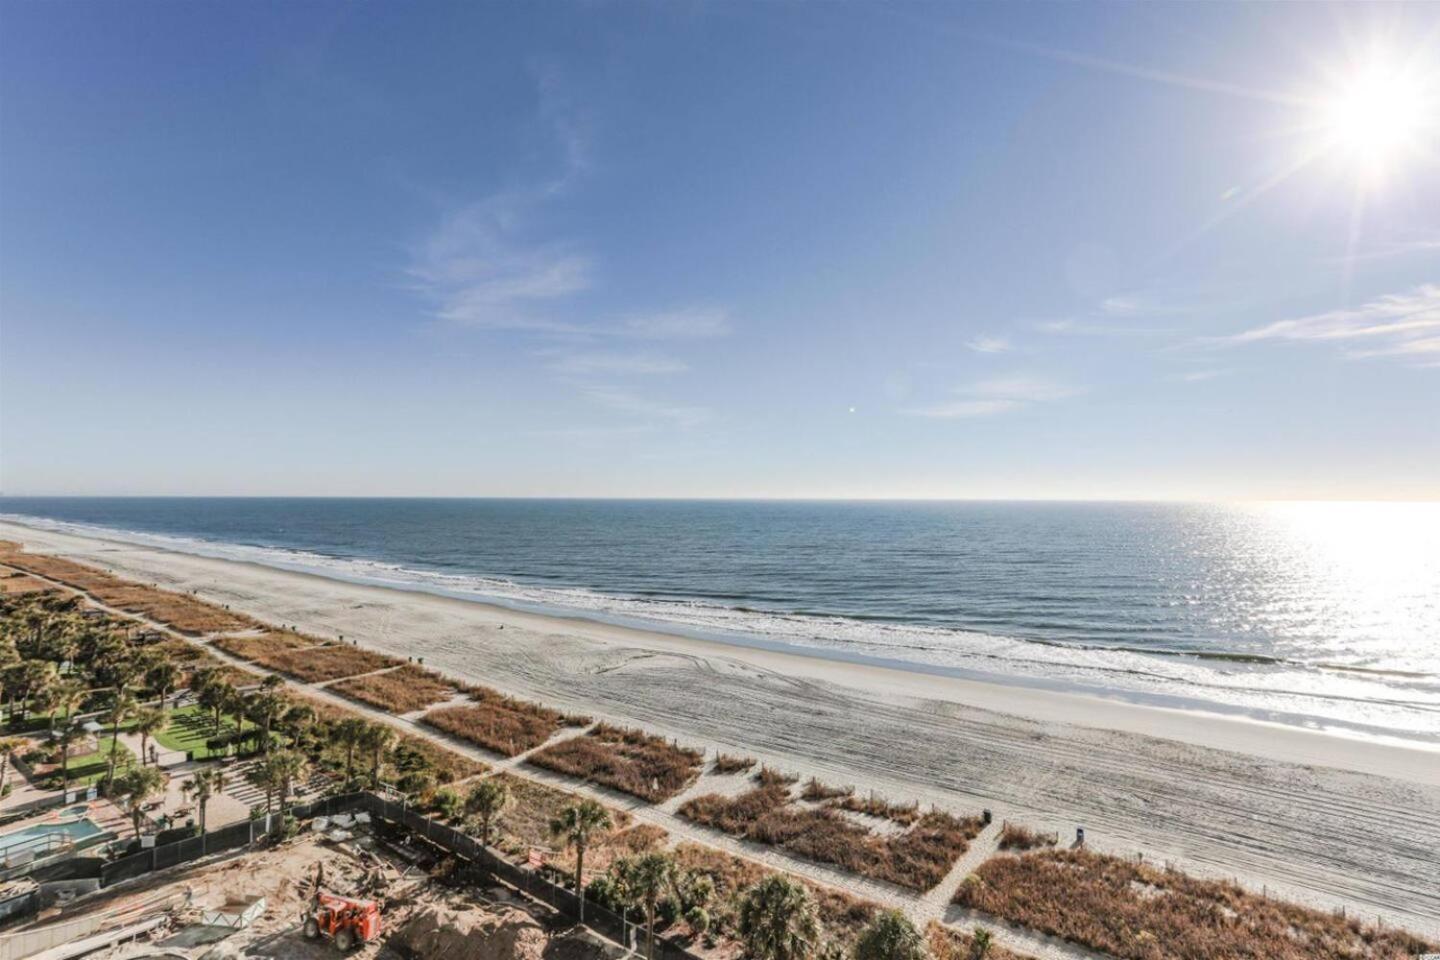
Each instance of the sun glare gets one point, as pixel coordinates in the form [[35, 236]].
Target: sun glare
[[1379, 116]]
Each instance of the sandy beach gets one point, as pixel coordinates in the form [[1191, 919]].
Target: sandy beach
[[1331, 821]]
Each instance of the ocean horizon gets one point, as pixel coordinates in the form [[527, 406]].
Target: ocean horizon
[[1319, 615]]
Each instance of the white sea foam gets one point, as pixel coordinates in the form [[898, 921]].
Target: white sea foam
[[1287, 692]]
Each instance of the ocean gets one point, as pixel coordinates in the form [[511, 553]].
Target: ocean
[[1323, 615]]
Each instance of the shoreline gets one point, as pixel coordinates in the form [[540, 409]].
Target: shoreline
[[1322, 819], [1121, 711]]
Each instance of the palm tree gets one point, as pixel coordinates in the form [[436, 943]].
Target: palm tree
[[215, 697], [8, 745], [67, 696], [378, 738], [204, 785], [778, 920], [485, 803], [265, 774], [162, 678], [290, 765], [66, 737], [120, 710], [265, 708], [148, 722], [649, 876], [38, 676], [890, 936], [350, 733], [576, 825], [138, 786]]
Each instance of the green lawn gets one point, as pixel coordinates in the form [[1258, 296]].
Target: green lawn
[[190, 727], [90, 768]]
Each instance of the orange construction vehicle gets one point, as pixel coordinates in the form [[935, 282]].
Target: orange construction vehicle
[[346, 921]]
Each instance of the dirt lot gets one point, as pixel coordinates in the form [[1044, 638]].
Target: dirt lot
[[422, 918]]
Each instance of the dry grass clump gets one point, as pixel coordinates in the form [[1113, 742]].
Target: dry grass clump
[[631, 761], [1015, 837], [14, 583], [304, 658], [1135, 912], [184, 613], [734, 815], [495, 726], [256, 646], [917, 859], [902, 813], [318, 664], [485, 696], [728, 763], [401, 690], [815, 790], [842, 917], [770, 777], [947, 943]]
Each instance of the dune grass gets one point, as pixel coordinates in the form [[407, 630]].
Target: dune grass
[[947, 943], [1136, 912], [815, 790], [1015, 837], [184, 613], [402, 690], [628, 760], [304, 658], [728, 763], [917, 859]]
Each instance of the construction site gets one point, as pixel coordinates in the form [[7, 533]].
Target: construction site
[[343, 886]]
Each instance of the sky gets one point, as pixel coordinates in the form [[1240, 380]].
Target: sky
[[732, 249]]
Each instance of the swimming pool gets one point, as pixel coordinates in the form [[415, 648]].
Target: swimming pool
[[42, 837]]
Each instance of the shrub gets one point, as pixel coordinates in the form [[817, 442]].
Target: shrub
[[1135, 912], [631, 761], [486, 696]]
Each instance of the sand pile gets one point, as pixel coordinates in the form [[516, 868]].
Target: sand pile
[[479, 934]]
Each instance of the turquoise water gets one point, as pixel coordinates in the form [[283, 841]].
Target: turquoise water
[[1325, 615], [74, 830]]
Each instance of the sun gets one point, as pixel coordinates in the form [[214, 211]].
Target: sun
[[1379, 115]]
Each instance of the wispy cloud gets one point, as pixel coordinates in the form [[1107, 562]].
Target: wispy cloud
[[592, 363], [1402, 325], [1200, 376], [988, 344], [1123, 315], [488, 266], [690, 323], [479, 274], [624, 401], [990, 397]]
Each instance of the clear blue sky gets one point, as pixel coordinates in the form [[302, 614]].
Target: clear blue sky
[[730, 249]]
